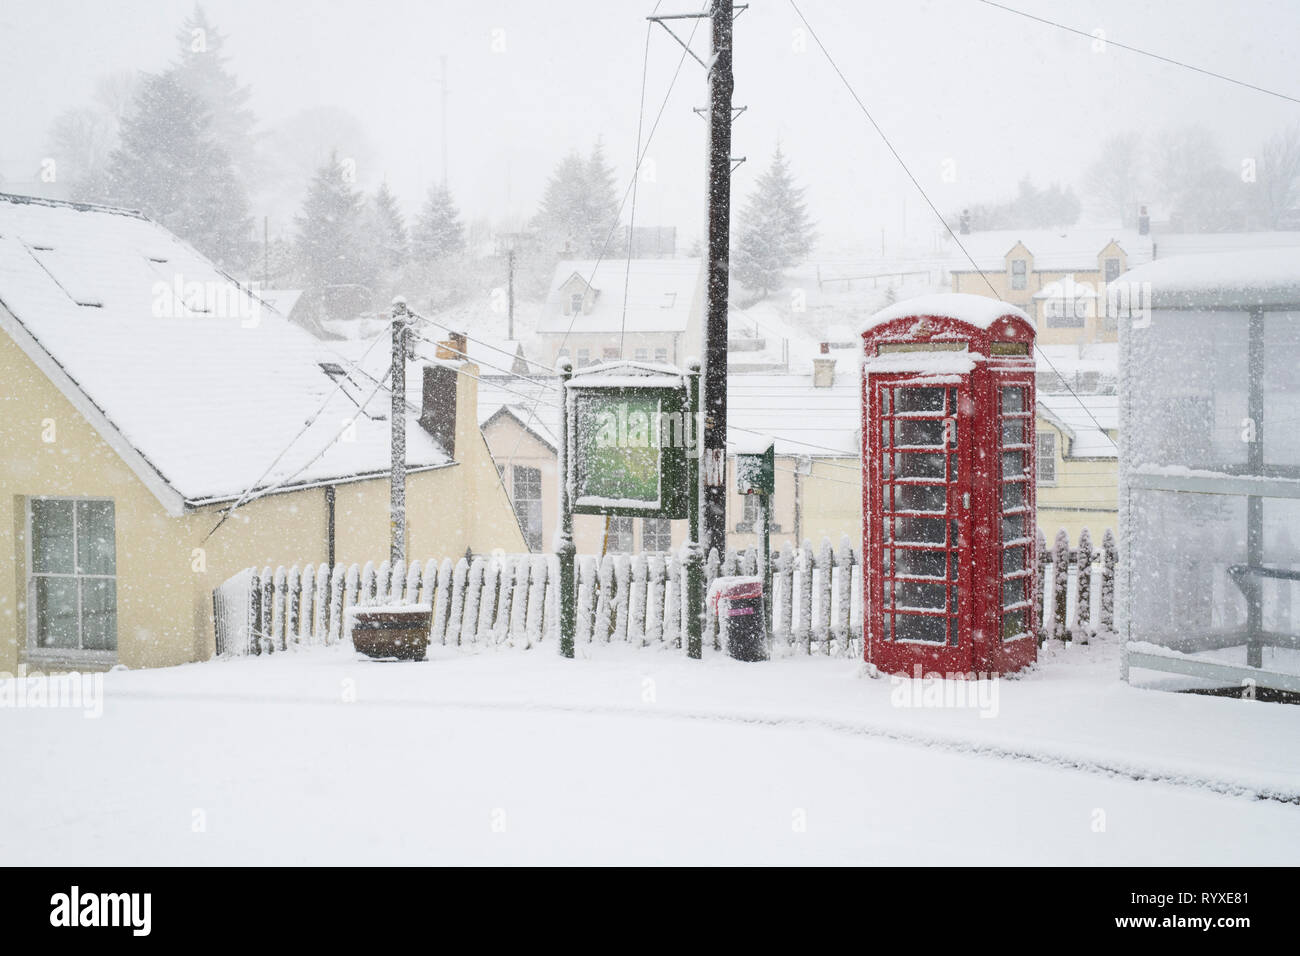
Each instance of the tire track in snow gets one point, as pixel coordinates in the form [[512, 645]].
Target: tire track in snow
[[940, 742]]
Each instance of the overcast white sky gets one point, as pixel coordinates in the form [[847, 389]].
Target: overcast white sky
[[947, 79]]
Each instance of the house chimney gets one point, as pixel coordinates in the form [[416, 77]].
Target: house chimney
[[438, 406], [964, 227], [825, 348], [823, 372], [1144, 222], [454, 348]]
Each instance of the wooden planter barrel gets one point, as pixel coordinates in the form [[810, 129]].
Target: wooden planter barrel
[[391, 632]]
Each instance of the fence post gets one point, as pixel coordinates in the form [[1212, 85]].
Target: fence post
[[802, 613], [1041, 559], [1110, 557], [843, 591], [1083, 578], [1061, 582]]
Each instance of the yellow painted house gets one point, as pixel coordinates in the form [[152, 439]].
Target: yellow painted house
[[1059, 277], [144, 395]]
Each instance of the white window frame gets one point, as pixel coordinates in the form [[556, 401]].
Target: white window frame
[[1023, 277], [1038, 457], [661, 356], [515, 499], [75, 655], [631, 535], [645, 545], [575, 303], [641, 355]]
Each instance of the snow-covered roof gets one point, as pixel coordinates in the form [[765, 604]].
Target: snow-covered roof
[[977, 310], [282, 300], [1197, 243], [1078, 412], [661, 294], [1239, 279], [801, 419], [194, 381], [1054, 250]]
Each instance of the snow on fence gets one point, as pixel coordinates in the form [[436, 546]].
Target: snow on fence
[[510, 599]]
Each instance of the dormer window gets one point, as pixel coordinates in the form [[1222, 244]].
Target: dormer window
[[1112, 270], [575, 303], [1019, 274]]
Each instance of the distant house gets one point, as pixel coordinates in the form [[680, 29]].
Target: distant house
[[645, 310], [1059, 277], [144, 393], [1078, 464]]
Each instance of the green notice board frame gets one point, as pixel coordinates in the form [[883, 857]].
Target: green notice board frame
[[630, 431]]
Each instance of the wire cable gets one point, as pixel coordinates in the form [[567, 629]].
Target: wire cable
[[933, 208], [1133, 49]]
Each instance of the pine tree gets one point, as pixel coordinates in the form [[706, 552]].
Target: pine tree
[[438, 233], [389, 226], [334, 262], [579, 211], [169, 165], [202, 69], [601, 203], [775, 232]]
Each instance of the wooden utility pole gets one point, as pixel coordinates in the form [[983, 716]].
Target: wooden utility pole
[[397, 445], [714, 462], [565, 549]]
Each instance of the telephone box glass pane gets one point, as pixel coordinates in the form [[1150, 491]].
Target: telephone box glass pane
[[913, 627], [1013, 624], [1013, 591], [927, 432], [1013, 495], [919, 466], [920, 497], [1013, 399], [920, 530], [1013, 559], [917, 400], [1013, 464], [919, 594], [1013, 528], [923, 564], [1013, 431]]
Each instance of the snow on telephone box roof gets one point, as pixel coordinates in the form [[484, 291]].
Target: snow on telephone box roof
[[195, 381], [977, 310]]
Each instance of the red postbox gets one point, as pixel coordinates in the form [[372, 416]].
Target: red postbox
[[948, 492]]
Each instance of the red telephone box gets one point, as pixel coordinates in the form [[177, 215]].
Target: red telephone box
[[948, 496]]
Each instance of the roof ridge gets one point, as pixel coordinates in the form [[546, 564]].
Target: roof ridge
[[71, 204]]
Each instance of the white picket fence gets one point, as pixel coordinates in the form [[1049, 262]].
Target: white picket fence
[[511, 599]]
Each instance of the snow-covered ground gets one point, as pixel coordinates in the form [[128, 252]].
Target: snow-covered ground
[[642, 756]]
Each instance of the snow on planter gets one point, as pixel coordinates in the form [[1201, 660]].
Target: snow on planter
[[398, 631]]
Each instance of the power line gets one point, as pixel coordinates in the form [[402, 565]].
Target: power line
[[1141, 52], [244, 497], [926, 196], [486, 345], [510, 372], [610, 235]]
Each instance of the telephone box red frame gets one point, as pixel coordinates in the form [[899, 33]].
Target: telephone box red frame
[[948, 419]]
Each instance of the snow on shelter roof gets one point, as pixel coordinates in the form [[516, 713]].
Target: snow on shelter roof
[[196, 382], [1229, 280], [977, 310]]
